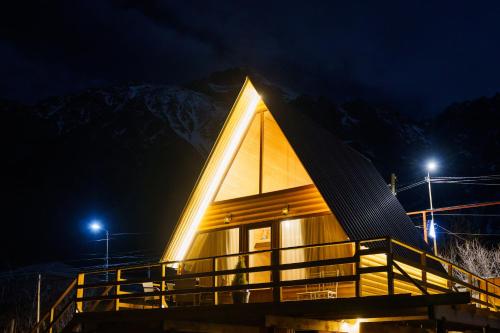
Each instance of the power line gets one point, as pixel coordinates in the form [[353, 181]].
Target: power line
[[465, 214], [472, 234], [446, 231], [408, 187], [450, 232], [470, 180], [464, 183], [487, 180], [469, 177]]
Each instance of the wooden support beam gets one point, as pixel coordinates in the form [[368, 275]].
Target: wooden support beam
[[390, 272], [297, 323], [412, 280], [391, 327], [275, 258], [466, 314], [206, 327], [423, 262]]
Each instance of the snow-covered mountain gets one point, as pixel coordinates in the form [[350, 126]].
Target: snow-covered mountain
[[189, 114]]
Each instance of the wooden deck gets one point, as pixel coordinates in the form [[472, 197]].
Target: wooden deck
[[380, 267], [324, 315]]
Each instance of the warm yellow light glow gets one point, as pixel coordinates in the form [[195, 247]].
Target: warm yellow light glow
[[349, 327], [218, 162]]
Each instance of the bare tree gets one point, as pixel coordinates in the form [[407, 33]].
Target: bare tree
[[474, 257]]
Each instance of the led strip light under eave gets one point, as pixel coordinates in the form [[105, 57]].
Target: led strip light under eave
[[219, 160]]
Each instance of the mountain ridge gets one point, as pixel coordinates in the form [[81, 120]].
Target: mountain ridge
[[134, 151]]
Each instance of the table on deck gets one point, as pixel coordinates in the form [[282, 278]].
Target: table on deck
[[317, 294]]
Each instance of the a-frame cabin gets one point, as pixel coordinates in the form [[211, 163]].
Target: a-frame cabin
[[276, 180], [295, 223]]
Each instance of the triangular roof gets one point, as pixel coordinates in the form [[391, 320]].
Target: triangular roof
[[351, 186]]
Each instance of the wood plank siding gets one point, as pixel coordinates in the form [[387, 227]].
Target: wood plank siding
[[300, 201]]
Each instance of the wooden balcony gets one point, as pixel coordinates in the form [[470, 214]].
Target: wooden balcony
[[374, 267]]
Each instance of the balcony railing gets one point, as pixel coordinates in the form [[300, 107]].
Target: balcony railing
[[381, 266]]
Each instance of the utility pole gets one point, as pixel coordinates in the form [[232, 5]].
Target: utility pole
[[96, 226], [394, 179], [12, 325], [107, 255], [433, 226], [38, 296]]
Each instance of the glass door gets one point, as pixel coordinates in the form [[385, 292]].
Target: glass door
[[259, 240]]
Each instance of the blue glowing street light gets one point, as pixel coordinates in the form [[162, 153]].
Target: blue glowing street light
[[96, 226], [431, 167]]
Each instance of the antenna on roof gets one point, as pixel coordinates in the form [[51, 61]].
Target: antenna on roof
[[394, 180]]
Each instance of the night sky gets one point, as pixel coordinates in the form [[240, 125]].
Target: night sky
[[419, 56]]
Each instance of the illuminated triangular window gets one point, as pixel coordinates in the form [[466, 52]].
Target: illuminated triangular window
[[265, 162], [242, 179], [281, 168]]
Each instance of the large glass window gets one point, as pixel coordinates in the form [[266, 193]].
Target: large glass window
[[281, 167], [210, 244], [215, 243], [242, 179], [265, 162], [313, 231]]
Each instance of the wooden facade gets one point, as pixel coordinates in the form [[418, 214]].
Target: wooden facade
[[279, 205]]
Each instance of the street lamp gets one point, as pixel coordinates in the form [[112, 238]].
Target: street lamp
[[431, 166], [96, 226]]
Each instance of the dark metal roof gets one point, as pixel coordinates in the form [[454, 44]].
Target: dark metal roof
[[351, 186]]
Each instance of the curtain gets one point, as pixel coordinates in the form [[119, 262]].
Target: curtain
[[212, 244], [310, 231], [291, 235], [326, 229]]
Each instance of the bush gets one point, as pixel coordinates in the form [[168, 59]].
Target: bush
[[240, 278]]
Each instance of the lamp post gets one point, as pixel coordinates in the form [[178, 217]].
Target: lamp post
[[96, 226], [431, 166]]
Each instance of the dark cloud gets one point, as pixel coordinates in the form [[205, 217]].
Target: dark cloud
[[413, 52]]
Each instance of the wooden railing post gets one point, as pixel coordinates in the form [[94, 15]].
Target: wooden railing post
[[357, 259], [450, 274], [163, 286], [390, 272], [118, 279], [79, 291], [469, 281], [214, 280], [423, 262], [275, 262], [483, 285], [51, 322]]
